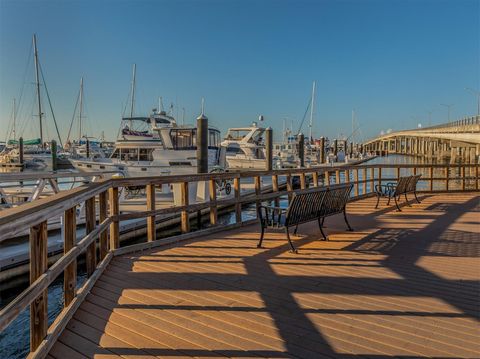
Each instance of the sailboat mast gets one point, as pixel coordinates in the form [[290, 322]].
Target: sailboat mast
[[311, 113], [133, 93], [353, 124], [14, 120], [37, 78], [81, 111]]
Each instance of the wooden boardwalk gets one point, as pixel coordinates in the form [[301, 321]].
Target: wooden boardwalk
[[404, 284]]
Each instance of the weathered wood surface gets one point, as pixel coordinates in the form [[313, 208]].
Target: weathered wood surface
[[403, 284]]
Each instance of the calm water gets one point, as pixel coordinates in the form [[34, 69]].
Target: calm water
[[14, 342]]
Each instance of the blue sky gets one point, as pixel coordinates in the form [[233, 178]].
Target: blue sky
[[393, 61]]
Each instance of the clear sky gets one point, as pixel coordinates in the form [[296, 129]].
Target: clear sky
[[393, 61]]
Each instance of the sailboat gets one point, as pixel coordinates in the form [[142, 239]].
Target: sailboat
[[84, 146], [37, 153]]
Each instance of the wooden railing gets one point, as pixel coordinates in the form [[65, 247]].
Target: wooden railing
[[102, 239]]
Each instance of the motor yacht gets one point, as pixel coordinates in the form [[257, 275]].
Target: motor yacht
[[153, 146]]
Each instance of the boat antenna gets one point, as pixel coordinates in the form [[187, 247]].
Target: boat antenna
[[14, 120], [310, 138], [133, 93], [160, 104], [80, 113], [183, 116], [37, 79]]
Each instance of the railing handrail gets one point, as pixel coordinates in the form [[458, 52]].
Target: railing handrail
[[36, 214]]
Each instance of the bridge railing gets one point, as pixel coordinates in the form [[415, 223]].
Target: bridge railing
[[101, 240], [466, 124]]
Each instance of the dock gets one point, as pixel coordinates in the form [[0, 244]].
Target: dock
[[403, 284], [383, 290]]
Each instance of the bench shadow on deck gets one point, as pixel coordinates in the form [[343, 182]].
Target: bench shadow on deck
[[404, 284]]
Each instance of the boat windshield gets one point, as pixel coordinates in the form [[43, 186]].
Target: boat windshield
[[237, 135], [186, 139]]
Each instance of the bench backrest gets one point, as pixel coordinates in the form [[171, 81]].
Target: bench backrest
[[305, 205], [412, 184], [335, 199], [402, 185]]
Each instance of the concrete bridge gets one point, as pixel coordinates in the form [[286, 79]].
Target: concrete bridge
[[459, 140]]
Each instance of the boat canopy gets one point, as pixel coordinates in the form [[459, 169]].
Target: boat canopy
[[35, 141]]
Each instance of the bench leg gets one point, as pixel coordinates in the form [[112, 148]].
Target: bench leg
[[296, 228], [415, 194], [290, 241], [346, 221], [320, 224], [396, 203], [388, 202], [259, 245], [406, 199], [378, 200]]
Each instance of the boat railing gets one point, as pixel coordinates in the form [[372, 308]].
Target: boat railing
[[101, 241]]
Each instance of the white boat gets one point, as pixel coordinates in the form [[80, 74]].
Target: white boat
[[153, 146], [244, 148]]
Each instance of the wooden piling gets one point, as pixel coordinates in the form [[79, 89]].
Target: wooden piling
[[151, 227], [38, 265], [69, 237]]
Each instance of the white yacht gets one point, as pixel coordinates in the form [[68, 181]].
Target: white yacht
[[153, 146], [243, 147]]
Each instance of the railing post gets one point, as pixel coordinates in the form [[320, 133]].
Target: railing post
[[431, 178], [303, 181], [185, 220], [476, 176], [364, 175], [90, 221], [151, 227], [337, 176], [258, 191], [398, 173], [372, 179], [212, 188], [114, 212], [326, 178], [275, 189], [70, 272], [462, 174], [355, 179], [447, 177], [38, 265], [315, 179], [347, 176], [238, 205], [103, 204], [379, 176]]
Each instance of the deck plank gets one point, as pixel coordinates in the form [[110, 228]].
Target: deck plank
[[403, 284]]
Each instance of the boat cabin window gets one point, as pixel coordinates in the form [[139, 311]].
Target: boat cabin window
[[213, 139], [129, 154], [162, 121], [233, 150], [183, 139], [145, 154]]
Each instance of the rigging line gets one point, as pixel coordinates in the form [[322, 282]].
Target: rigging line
[[73, 117], [50, 104], [304, 116]]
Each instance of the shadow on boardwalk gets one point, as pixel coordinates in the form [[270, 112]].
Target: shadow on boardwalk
[[403, 285]]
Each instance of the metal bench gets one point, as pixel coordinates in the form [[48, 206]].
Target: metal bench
[[412, 188], [306, 205], [404, 185]]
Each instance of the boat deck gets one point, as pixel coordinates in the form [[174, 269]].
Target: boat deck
[[403, 284]]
